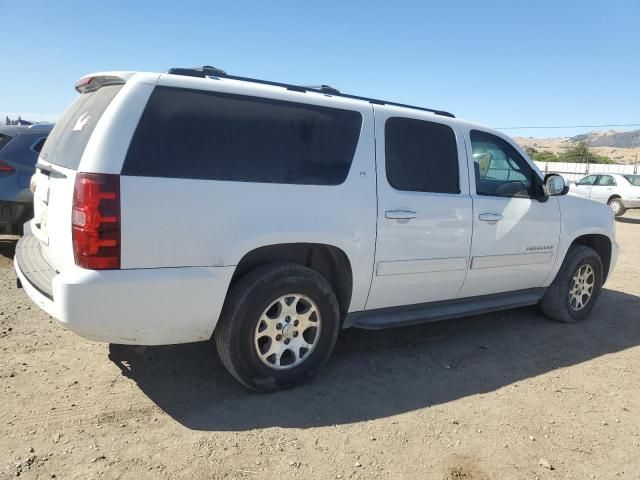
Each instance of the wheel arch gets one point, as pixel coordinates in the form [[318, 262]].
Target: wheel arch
[[328, 260], [601, 244], [615, 195]]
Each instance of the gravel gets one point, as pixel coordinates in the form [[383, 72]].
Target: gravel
[[456, 399]]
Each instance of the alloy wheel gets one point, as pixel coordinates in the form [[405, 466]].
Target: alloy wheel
[[287, 331], [581, 288]]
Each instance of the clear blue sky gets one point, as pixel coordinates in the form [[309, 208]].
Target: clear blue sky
[[501, 63]]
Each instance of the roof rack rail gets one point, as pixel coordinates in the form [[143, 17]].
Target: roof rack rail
[[209, 71]]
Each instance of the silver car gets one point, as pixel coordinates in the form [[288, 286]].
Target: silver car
[[620, 191]]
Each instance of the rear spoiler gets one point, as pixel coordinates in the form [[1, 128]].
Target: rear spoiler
[[92, 83]]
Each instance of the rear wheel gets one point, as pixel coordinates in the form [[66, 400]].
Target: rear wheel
[[617, 206], [576, 287], [278, 326]]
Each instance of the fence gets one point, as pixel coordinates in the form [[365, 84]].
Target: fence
[[575, 171]]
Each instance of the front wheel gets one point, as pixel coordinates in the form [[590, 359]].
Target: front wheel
[[576, 287], [617, 206], [278, 326]]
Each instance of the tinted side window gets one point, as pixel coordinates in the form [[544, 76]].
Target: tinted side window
[[500, 170], [421, 156], [216, 136]]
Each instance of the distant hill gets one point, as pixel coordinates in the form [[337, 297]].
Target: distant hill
[[610, 138], [622, 147]]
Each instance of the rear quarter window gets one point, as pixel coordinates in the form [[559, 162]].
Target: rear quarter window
[[215, 136], [68, 139], [38, 144], [4, 139]]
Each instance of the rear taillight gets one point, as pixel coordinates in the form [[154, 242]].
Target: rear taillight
[[6, 168], [90, 84], [96, 221]]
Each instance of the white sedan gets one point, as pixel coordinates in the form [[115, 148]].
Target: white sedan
[[619, 191]]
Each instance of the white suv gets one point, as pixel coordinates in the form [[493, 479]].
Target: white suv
[[196, 205]]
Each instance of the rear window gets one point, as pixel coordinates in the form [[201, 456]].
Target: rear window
[[4, 139], [69, 137], [216, 136], [633, 179]]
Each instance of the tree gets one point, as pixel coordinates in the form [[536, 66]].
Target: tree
[[582, 153], [538, 156], [579, 153], [547, 156]]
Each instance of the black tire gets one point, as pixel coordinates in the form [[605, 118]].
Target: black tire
[[248, 299], [617, 206], [556, 301]]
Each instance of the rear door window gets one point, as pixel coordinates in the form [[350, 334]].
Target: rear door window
[[69, 137], [605, 181], [421, 156], [216, 136]]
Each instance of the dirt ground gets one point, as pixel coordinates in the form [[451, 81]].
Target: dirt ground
[[500, 396]]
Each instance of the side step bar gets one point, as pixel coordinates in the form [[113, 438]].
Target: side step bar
[[435, 311]]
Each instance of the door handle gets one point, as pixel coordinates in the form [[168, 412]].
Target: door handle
[[399, 214], [490, 217]]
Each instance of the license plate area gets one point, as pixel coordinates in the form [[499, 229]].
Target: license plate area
[[39, 223], [40, 208], [41, 191]]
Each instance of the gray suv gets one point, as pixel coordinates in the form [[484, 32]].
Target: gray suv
[[19, 149]]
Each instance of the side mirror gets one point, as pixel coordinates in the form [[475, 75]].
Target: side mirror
[[555, 184]]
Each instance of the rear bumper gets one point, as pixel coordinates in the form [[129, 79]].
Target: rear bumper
[[156, 306], [631, 203]]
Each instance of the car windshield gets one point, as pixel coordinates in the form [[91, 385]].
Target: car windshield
[[633, 179]]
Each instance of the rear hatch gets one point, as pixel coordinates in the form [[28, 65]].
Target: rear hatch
[[57, 167]]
